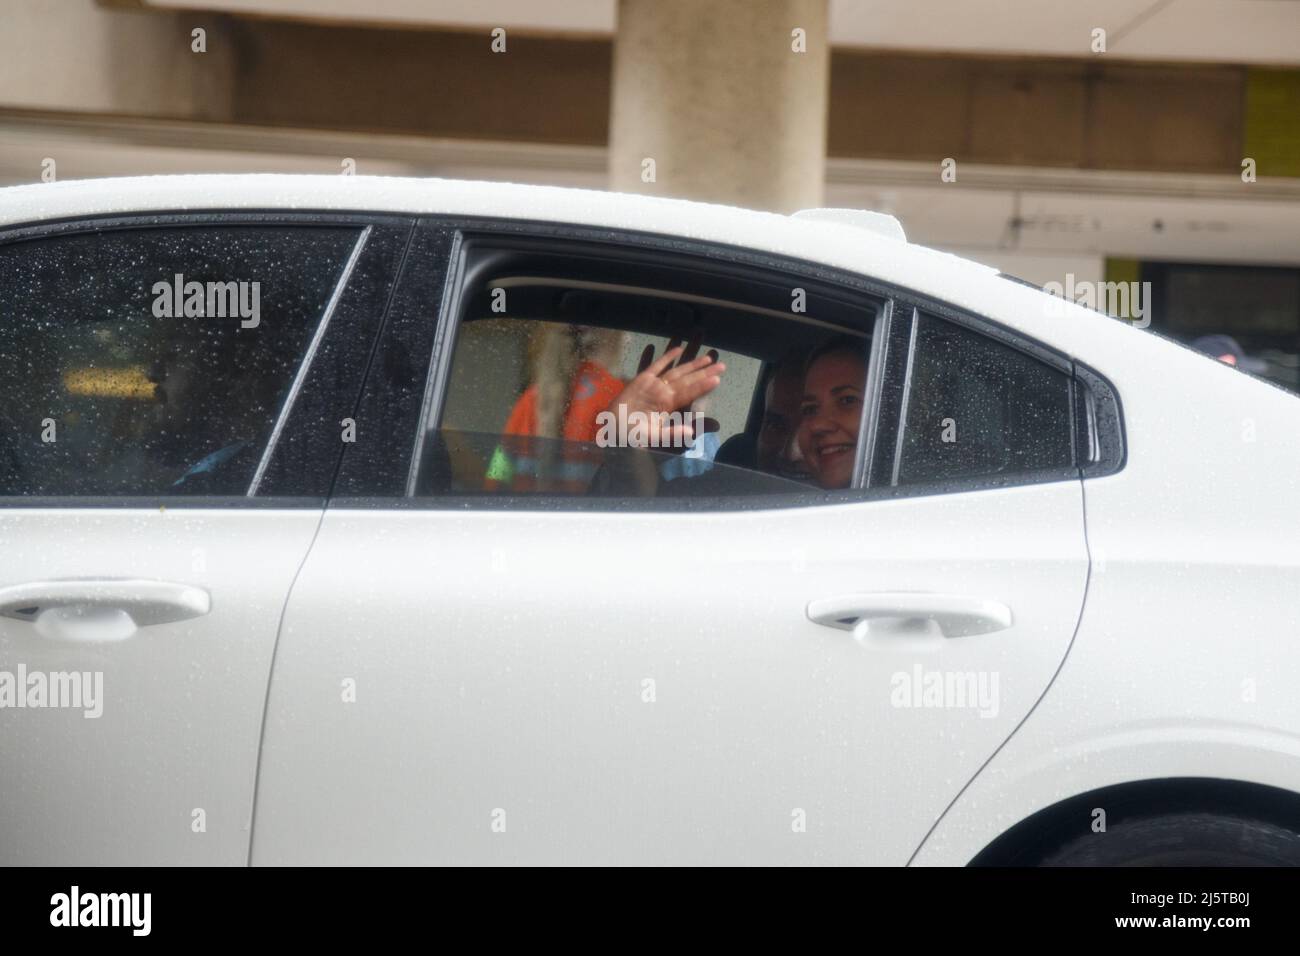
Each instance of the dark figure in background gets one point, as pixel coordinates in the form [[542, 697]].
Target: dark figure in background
[[1228, 351]]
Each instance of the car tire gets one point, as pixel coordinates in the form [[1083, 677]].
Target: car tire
[[1183, 839]]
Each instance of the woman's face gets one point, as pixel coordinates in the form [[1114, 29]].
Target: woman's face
[[830, 416]]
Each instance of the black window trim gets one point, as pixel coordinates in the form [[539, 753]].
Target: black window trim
[[1099, 424], [126, 221], [308, 358], [905, 396], [444, 344], [364, 222], [872, 408]]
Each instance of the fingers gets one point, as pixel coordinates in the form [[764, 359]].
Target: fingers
[[647, 356], [688, 354], [699, 389], [682, 369], [657, 368], [697, 385], [692, 347]]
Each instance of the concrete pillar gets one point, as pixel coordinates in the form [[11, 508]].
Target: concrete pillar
[[714, 102], [89, 57]]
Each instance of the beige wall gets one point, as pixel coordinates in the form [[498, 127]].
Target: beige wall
[[77, 56], [110, 91]]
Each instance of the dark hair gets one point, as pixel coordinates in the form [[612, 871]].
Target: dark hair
[[836, 343], [1216, 345], [792, 360]]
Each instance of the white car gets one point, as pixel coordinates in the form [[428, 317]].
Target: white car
[[308, 553]]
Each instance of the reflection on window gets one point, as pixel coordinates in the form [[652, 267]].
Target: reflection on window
[[538, 403], [154, 362], [976, 408]]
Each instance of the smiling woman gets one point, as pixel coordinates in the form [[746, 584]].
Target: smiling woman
[[831, 411]]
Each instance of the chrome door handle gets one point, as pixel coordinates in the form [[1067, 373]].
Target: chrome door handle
[[101, 609], [956, 615]]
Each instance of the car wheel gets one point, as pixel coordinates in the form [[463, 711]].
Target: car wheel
[[1184, 839]]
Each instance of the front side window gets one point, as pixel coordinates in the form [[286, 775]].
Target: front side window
[[154, 361]]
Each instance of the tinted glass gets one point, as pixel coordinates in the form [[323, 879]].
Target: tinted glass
[[532, 399], [976, 408], [154, 361]]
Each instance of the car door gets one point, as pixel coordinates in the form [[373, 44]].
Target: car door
[[172, 405], [476, 671]]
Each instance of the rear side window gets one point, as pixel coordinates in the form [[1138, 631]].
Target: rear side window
[[544, 387], [974, 408], [525, 403], [155, 361]]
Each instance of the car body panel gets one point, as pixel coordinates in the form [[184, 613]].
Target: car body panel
[[1188, 654], [500, 660], [165, 774]]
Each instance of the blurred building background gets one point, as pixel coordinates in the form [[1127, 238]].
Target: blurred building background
[[1059, 140]]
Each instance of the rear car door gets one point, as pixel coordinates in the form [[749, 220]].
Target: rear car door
[[173, 403], [480, 663]]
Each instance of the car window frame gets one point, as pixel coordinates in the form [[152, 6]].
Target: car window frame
[[380, 237], [1097, 428], [607, 244], [886, 467], [891, 352]]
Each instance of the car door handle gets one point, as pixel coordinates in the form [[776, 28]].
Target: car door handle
[[956, 615], [101, 609]]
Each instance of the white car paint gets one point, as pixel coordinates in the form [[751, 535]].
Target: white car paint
[[1187, 662], [500, 661], [1191, 556], [165, 774]]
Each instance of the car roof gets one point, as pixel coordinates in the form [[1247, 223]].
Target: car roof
[[822, 240]]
